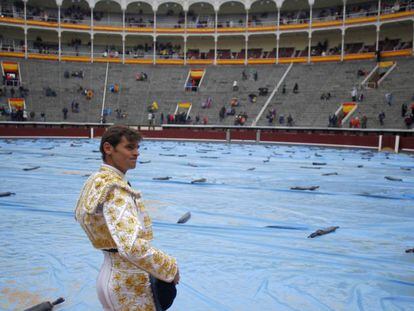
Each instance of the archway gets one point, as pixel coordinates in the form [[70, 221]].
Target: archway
[[170, 15], [231, 14], [201, 15], [107, 12], [139, 14]]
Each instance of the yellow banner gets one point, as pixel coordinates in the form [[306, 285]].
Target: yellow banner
[[196, 74], [10, 67], [185, 105], [17, 103], [347, 107], [386, 64]]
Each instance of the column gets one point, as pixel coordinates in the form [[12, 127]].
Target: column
[[246, 38], [310, 34], [215, 49], [185, 37], [277, 46], [123, 36], [185, 50], [123, 48], [343, 44], [246, 47], [59, 35], [92, 47], [377, 39], [25, 42], [343, 32], [154, 47], [60, 44], [277, 34], [25, 29], [92, 56]]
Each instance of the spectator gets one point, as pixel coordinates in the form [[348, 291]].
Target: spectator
[[253, 98], [403, 109], [381, 117], [354, 94], [281, 119], [235, 86], [284, 89], [162, 118], [389, 98], [65, 113], [289, 120], [296, 88], [408, 120], [43, 117], [364, 121], [205, 120], [361, 97], [222, 113], [255, 75]]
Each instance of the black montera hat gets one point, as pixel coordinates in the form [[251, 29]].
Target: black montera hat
[[164, 293]]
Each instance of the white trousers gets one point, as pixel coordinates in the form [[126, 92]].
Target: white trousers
[[123, 286], [102, 284]]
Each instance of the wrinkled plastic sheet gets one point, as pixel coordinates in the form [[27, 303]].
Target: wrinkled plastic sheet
[[229, 257]]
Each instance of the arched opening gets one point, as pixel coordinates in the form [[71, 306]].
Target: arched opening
[[327, 10], [360, 40], [170, 47], [263, 13], [231, 14], [107, 45], [230, 47], [139, 14], [326, 42], [42, 41], [170, 15], [396, 36], [12, 39], [293, 44], [75, 44], [294, 12], [42, 10], [107, 12], [201, 15], [12, 8], [139, 47], [200, 47], [261, 46], [356, 8], [75, 12]]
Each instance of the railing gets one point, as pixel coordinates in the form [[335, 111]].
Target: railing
[[224, 25]]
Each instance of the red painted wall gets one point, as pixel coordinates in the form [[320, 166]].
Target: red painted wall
[[322, 137]]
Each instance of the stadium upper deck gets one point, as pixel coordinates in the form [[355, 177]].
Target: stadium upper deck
[[193, 32]]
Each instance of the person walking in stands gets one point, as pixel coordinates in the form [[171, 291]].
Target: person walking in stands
[[381, 117], [389, 98], [403, 109], [296, 88], [354, 94], [65, 113], [115, 220], [364, 121]]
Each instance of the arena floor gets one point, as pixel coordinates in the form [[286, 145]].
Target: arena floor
[[228, 256]]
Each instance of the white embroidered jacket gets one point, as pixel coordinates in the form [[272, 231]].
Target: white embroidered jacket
[[113, 216]]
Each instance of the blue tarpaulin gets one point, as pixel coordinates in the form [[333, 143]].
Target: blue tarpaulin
[[245, 246]]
